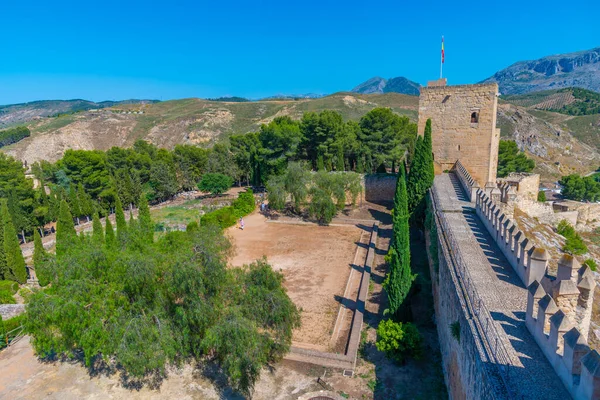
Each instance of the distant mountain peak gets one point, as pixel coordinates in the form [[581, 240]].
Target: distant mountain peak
[[378, 84], [578, 69]]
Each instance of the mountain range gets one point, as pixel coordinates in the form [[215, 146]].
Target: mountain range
[[560, 128], [580, 69]]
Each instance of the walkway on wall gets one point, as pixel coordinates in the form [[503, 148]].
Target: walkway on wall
[[497, 289]]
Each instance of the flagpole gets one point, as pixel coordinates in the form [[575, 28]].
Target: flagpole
[[442, 58]]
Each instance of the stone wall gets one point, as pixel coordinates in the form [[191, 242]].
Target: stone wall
[[454, 136], [469, 374], [526, 185], [559, 307], [380, 187]]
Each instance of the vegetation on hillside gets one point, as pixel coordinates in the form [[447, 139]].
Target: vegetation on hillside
[[510, 159], [570, 101], [233, 99], [574, 244], [580, 188], [140, 304], [13, 135]]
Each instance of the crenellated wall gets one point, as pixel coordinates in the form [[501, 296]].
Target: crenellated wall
[[466, 180], [559, 307], [563, 345]]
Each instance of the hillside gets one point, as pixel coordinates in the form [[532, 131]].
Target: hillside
[[190, 121], [15, 114], [392, 85], [560, 143], [580, 69], [570, 101]]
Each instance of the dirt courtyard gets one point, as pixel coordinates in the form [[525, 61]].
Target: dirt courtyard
[[315, 261]]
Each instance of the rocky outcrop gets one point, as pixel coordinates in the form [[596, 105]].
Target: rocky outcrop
[[581, 69]]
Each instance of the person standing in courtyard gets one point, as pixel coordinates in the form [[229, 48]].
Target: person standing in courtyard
[[242, 223]]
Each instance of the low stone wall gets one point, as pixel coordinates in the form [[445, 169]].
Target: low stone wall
[[380, 187]]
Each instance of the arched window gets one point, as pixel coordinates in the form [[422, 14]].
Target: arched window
[[475, 117]]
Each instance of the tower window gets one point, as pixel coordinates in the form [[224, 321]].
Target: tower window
[[475, 117]]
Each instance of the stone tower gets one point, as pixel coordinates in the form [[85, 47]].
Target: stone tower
[[463, 122]]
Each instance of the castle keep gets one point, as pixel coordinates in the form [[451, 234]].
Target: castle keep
[[463, 127]]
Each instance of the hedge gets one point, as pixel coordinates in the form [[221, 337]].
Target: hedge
[[228, 216]]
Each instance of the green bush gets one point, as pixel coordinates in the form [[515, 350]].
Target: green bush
[[9, 286], [228, 216], [215, 183], [399, 340], [6, 297], [591, 263], [14, 322], [574, 244], [541, 196]]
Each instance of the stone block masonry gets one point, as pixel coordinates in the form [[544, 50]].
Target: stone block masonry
[[559, 307], [463, 128], [478, 293]]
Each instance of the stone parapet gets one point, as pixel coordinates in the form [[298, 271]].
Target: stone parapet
[[468, 183], [564, 346]]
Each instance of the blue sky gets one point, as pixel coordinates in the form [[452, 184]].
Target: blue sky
[[112, 50]]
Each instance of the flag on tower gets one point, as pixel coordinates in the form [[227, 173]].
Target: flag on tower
[[443, 55]]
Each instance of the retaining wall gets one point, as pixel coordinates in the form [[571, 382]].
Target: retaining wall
[[380, 187]]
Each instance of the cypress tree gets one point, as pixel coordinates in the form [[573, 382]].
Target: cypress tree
[[415, 177], [97, 233], [39, 253], [428, 154], [121, 223], [400, 276], [74, 204], [65, 229], [110, 238], [132, 223], [3, 216], [144, 219], [14, 256], [85, 202]]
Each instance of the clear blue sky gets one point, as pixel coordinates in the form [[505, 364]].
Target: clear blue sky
[[111, 50]]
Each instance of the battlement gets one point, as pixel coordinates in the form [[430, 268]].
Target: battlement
[[468, 183], [559, 307], [563, 345]]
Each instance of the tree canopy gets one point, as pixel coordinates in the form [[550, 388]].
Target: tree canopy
[[143, 304], [510, 159]]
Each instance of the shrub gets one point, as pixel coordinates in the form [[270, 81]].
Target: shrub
[[227, 216], [9, 286], [399, 340], [215, 183], [574, 244], [591, 263], [6, 297], [541, 196]]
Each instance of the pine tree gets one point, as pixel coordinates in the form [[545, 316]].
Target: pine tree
[[65, 229], [16, 270], [121, 223], [400, 277], [110, 238], [97, 233], [144, 220], [39, 253], [3, 216]]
